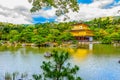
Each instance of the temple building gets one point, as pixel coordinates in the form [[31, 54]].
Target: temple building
[[82, 32]]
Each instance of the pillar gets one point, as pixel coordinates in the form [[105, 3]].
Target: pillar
[[90, 39]]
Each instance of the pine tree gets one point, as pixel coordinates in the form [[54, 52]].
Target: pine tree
[[57, 70]]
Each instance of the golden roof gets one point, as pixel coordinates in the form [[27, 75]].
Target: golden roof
[[80, 26], [81, 30]]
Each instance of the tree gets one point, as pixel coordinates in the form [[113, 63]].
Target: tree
[[115, 36], [26, 34], [57, 70], [55, 34], [62, 6], [106, 40], [16, 36], [38, 39], [66, 36]]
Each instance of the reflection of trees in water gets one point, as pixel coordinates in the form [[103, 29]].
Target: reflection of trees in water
[[106, 50], [28, 49], [8, 48], [3, 48]]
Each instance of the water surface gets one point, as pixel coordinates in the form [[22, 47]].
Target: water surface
[[96, 62]]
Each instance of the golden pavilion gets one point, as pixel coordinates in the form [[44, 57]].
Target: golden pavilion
[[82, 32]]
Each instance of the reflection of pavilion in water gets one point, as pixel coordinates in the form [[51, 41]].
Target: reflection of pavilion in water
[[82, 52]]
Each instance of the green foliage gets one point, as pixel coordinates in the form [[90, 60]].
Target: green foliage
[[62, 6], [37, 77], [106, 40], [106, 29], [38, 33], [57, 69], [37, 39]]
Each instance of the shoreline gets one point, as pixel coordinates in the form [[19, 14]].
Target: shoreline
[[64, 44]]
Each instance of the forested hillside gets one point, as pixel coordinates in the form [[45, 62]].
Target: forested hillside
[[38, 33], [106, 30]]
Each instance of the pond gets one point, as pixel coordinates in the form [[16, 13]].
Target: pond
[[96, 62]]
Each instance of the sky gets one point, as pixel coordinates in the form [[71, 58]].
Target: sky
[[18, 11]]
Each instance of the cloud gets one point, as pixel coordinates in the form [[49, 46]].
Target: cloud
[[15, 11], [49, 13], [100, 3], [13, 3], [18, 12], [91, 11]]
